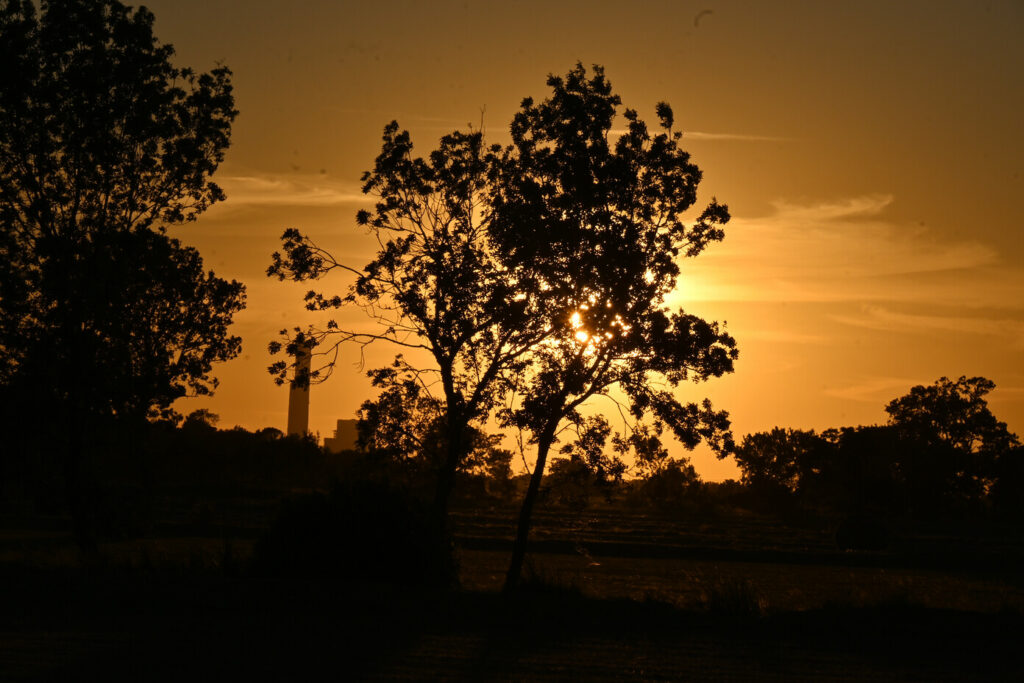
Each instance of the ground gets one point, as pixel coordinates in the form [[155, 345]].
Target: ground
[[611, 595]]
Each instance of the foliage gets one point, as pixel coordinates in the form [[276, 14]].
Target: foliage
[[649, 455], [781, 457], [405, 424], [942, 453], [105, 320], [594, 230], [951, 421], [954, 414], [586, 467], [535, 273], [434, 285], [103, 143], [676, 483], [589, 449]]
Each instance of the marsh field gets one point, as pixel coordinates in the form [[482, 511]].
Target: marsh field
[[611, 593]]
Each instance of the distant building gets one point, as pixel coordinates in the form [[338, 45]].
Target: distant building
[[298, 394], [345, 437]]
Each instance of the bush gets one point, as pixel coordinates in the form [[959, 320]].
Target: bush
[[862, 532], [362, 531]]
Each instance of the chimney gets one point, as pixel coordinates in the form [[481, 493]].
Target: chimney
[[298, 394]]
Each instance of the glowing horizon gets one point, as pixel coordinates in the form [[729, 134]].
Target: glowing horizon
[[875, 240]]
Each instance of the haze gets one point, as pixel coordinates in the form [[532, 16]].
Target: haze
[[869, 153]]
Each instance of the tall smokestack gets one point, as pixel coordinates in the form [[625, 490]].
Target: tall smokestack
[[298, 395]]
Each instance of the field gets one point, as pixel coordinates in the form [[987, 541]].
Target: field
[[611, 594]]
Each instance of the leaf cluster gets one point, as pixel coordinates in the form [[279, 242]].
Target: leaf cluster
[[103, 144]]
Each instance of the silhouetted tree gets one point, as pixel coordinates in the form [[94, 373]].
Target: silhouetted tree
[[672, 484], [404, 422], [846, 471], [495, 261], [405, 425], [781, 458], [586, 466], [103, 144], [1007, 493], [434, 285], [592, 227], [649, 454], [956, 437], [589, 448]]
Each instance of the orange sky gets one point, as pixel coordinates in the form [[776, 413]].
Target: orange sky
[[870, 154]]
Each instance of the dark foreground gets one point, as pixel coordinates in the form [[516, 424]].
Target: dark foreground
[[132, 625]]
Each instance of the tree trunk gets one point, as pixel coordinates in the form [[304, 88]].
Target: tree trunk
[[515, 567], [446, 477], [80, 506], [456, 427]]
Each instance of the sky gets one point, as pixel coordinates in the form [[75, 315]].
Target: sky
[[870, 154]]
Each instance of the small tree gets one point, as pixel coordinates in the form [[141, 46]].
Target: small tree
[[103, 144], [405, 424], [782, 458], [958, 438], [586, 466], [593, 229], [433, 286]]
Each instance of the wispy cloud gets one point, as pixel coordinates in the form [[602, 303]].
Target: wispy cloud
[[877, 390], [882, 318], [847, 251], [738, 137], [288, 190], [783, 336]]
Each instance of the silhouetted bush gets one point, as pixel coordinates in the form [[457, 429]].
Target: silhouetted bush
[[360, 531], [862, 532]]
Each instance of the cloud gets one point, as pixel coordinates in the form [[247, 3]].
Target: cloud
[[846, 251], [738, 137], [783, 336], [288, 190], [881, 318], [877, 390]]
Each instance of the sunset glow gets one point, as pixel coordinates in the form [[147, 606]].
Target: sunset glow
[[869, 156]]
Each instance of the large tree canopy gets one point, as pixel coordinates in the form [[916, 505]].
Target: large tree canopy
[[104, 318], [593, 226], [103, 144], [535, 273], [962, 441], [952, 414]]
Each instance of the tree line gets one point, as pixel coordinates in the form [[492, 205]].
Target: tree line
[[942, 454]]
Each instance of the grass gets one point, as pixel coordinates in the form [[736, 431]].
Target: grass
[[167, 608]]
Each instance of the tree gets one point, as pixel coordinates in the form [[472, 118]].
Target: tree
[[405, 424], [103, 145], [434, 286], [586, 466], [781, 459], [959, 438], [499, 261], [594, 229]]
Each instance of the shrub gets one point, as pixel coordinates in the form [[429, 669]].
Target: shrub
[[361, 531]]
